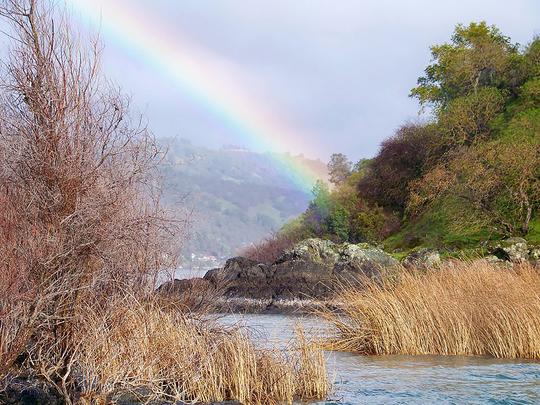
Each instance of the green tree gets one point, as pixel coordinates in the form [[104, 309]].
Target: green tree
[[500, 179], [318, 212], [467, 119], [478, 56], [339, 168], [338, 222]]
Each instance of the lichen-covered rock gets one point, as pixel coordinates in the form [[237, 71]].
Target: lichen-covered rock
[[313, 250], [242, 277], [362, 259], [493, 259], [512, 249], [239, 267], [422, 258], [534, 254], [310, 269], [300, 278]]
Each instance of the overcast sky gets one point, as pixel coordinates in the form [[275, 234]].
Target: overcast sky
[[337, 70]]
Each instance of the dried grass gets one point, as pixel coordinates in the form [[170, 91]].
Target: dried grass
[[464, 308], [130, 345]]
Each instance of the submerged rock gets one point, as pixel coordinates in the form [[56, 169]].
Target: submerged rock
[[422, 258]]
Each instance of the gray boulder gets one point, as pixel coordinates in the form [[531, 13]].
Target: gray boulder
[[362, 259], [534, 254], [512, 249], [183, 286], [23, 391], [422, 258], [493, 259], [314, 250], [242, 277]]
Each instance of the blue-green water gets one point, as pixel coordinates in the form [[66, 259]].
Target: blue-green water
[[407, 379]]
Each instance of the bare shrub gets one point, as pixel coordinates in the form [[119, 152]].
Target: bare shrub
[[269, 249], [79, 208], [83, 236]]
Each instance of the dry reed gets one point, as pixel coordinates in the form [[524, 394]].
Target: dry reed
[[130, 345], [463, 308]]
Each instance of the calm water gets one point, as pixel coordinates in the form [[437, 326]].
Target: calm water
[[165, 276], [407, 379]]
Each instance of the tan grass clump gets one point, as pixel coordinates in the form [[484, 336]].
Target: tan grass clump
[[465, 308], [131, 345]]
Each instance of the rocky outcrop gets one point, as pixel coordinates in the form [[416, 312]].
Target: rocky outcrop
[[184, 286], [310, 269], [422, 258]]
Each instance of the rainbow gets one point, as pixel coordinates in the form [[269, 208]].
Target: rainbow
[[205, 78]]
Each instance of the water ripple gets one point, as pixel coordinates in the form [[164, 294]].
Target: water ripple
[[411, 379]]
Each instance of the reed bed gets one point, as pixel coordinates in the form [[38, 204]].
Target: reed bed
[[462, 308], [172, 356]]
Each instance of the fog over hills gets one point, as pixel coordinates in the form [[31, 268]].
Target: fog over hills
[[237, 197]]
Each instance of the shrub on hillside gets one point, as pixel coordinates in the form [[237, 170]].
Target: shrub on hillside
[[401, 159]]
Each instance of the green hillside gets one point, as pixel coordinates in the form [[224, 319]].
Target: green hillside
[[468, 174], [237, 197]]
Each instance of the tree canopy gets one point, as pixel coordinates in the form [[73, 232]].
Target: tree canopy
[[470, 173]]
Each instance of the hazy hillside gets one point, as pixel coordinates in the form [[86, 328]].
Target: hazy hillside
[[237, 196]]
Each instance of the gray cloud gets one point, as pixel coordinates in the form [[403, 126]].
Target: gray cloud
[[339, 71]]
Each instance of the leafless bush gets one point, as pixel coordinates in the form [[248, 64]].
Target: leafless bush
[[80, 212], [269, 249]]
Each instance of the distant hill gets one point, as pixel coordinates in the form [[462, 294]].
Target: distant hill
[[237, 196]]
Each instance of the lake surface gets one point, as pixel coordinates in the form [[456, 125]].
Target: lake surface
[[406, 379], [165, 276]]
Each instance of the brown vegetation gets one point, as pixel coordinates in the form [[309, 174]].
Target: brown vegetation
[[76, 183], [400, 160], [269, 249], [130, 344], [83, 235], [464, 308]]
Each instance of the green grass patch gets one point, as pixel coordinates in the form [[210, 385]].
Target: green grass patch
[[533, 236], [449, 224]]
